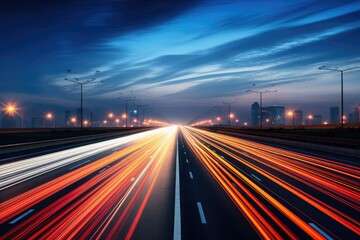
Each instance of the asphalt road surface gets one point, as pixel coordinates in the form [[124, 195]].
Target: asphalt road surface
[[179, 183]]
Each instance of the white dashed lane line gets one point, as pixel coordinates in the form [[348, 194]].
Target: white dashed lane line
[[201, 213], [257, 178], [21, 216]]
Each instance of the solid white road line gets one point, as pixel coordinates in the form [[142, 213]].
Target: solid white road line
[[191, 175], [201, 213], [177, 212], [320, 231], [187, 161], [21, 216]]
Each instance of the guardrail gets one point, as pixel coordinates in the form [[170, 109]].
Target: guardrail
[[346, 147], [11, 148]]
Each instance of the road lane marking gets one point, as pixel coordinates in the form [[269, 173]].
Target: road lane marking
[[254, 176], [191, 175], [102, 170], [184, 152], [80, 164], [133, 179], [320, 231], [201, 213], [177, 212], [187, 161], [21, 216]]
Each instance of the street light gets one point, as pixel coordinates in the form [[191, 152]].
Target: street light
[[138, 107], [342, 87], [292, 116], [50, 116], [261, 93], [11, 109], [129, 99], [229, 115], [311, 117], [81, 83]]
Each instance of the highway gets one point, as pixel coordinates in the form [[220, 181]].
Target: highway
[[180, 183]]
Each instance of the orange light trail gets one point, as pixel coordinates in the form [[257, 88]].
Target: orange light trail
[[108, 205], [338, 181]]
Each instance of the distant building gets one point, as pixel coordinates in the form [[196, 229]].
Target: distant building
[[317, 119], [357, 114], [37, 122], [298, 117], [255, 114], [351, 118], [67, 117], [275, 115], [334, 115], [8, 120]]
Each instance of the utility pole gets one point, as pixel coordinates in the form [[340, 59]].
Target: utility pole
[[261, 109], [342, 88], [81, 83], [229, 104]]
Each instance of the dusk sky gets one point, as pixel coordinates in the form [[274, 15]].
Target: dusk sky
[[180, 57]]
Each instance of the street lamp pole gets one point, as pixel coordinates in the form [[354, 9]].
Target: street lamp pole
[[137, 112], [229, 104], [81, 83], [342, 88], [261, 93]]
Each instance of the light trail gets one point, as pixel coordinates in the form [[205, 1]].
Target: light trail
[[337, 181], [108, 204], [21, 171]]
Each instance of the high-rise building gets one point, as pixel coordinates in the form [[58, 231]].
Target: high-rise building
[[334, 115], [317, 119], [298, 117], [255, 114], [351, 118], [357, 114], [275, 115], [8, 120]]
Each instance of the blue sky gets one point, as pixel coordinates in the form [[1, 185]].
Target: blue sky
[[181, 57]]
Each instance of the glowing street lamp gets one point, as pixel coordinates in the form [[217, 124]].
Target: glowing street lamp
[[86, 122], [117, 122], [311, 118], [105, 122], [10, 109], [110, 115], [292, 116], [49, 116], [229, 116]]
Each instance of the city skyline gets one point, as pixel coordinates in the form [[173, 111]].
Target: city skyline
[[180, 58]]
